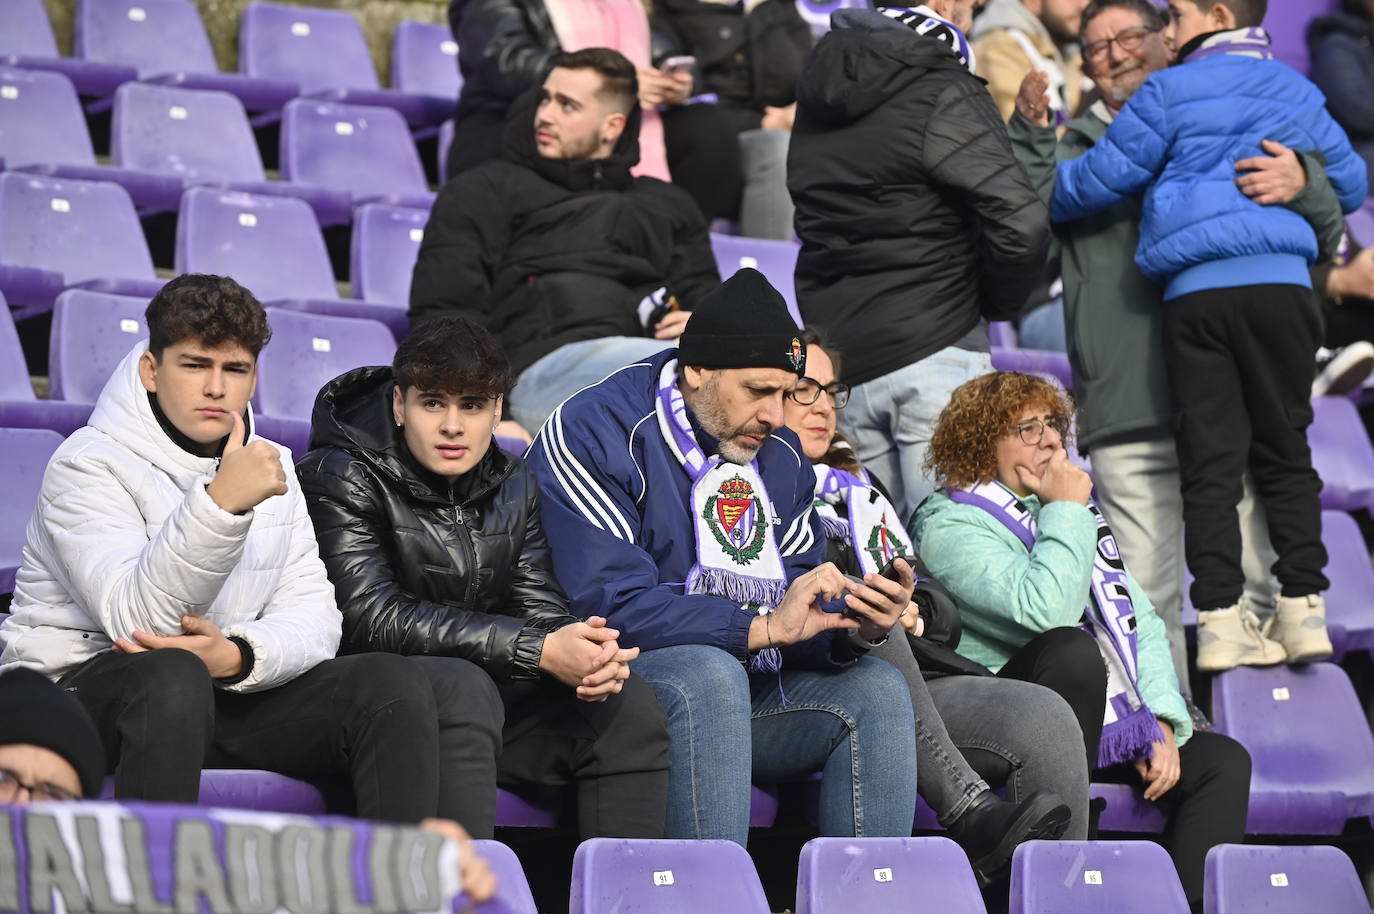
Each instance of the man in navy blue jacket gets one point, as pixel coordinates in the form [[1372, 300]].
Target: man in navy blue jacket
[[678, 505]]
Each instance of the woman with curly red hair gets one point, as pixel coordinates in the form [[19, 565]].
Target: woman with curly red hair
[[1015, 537]]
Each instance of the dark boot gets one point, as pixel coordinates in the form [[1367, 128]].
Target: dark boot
[[991, 828]]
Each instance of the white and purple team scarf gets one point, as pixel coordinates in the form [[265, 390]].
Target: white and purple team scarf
[[1129, 726], [737, 551], [851, 508], [1252, 42], [164, 857], [925, 21]]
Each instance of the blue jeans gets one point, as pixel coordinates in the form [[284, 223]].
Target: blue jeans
[[1042, 327], [889, 420], [543, 386], [728, 727]]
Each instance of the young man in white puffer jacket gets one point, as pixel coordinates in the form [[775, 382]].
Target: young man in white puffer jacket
[[171, 582]]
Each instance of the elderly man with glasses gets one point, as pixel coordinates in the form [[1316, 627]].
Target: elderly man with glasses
[[1114, 315]]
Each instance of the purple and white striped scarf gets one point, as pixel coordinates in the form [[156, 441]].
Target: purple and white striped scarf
[[1129, 727], [1251, 42], [925, 21], [737, 550]]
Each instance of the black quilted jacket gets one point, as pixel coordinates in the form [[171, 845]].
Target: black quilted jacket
[[418, 566]]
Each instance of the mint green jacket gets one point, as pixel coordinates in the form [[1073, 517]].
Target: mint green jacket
[[1007, 595]]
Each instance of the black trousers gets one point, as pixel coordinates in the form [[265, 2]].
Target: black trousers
[[1209, 803], [368, 717], [1211, 799], [1240, 363], [537, 734], [1067, 660], [702, 144]]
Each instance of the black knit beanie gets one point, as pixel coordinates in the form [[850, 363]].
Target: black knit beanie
[[743, 323], [39, 713]]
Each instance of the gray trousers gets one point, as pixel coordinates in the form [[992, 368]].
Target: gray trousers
[[1139, 491], [1016, 733]]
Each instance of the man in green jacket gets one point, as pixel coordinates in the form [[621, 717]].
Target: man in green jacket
[[1115, 329]]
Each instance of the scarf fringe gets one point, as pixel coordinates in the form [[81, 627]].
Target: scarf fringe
[[833, 527], [1129, 738], [738, 588]]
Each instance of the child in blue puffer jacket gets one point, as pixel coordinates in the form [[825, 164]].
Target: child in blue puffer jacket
[[1241, 323]]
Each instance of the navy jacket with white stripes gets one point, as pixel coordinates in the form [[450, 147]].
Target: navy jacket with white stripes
[[617, 513]]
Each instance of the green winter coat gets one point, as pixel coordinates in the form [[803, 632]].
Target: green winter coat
[[1007, 595]]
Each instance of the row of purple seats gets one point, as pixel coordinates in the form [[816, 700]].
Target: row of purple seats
[[165, 139], [285, 52], [1137, 877], [57, 234]]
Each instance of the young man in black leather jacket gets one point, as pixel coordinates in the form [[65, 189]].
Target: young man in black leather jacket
[[432, 539]]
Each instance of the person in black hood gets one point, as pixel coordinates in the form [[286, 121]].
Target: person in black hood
[[1342, 50], [432, 539], [577, 266], [917, 223]]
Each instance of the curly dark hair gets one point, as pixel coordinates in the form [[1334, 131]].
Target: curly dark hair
[[963, 449], [212, 309], [452, 355]]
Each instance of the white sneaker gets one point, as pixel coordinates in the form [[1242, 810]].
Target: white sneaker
[[1230, 637], [1300, 626], [1345, 370]]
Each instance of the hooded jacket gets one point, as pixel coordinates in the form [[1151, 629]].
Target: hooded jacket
[[505, 46], [1002, 38], [546, 252], [421, 565], [915, 219], [125, 537]]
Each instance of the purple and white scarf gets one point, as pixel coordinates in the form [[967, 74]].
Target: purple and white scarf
[[925, 21], [1129, 726], [737, 551], [1251, 42], [851, 508]]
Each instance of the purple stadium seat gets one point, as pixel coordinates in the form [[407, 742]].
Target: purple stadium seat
[[665, 877], [26, 40], [1243, 879], [203, 137], [514, 811], [57, 233], [1003, 334], [1350, 601], [386, 240], [512, 446], [292, 434], [165, 41], [424, 61], [1360, 224], [251, 789], [42, 130], [324, 52], [271, 245], [24, 454], [1286, 22], [309, 350], [512, 889], [1342, 454], [19, 408], [776, 260], [362, 150], [1034, 361], [1123, 877], [891, 875], [1128, 810], [1311, 746], [92, 332]]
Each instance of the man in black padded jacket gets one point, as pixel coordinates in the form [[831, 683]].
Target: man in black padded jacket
[[557, 249], [431, 537], [917, 223]]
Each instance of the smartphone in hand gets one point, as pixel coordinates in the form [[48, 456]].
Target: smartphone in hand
[[681, 64]]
